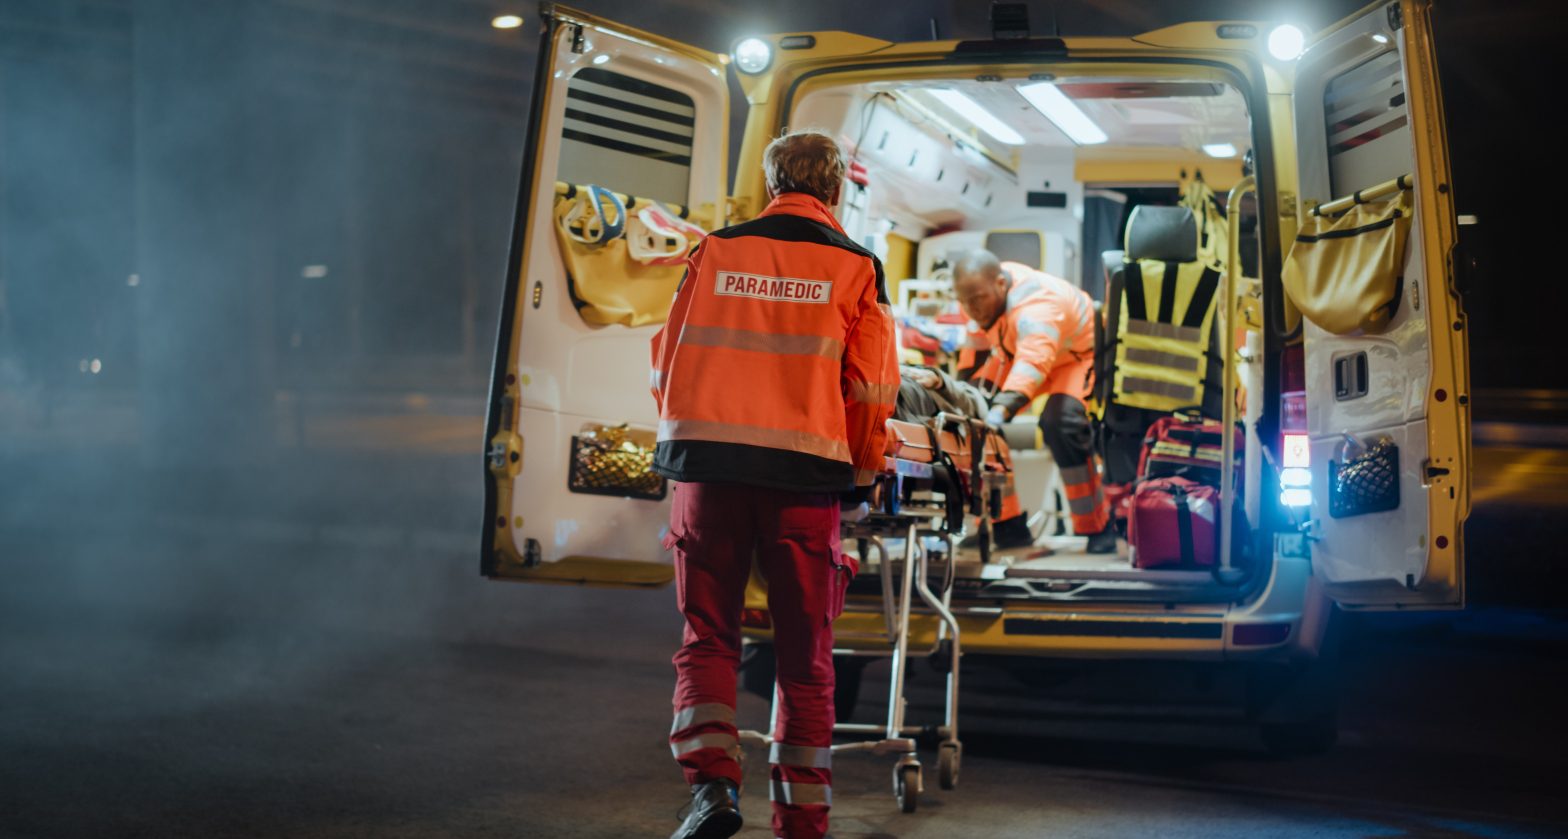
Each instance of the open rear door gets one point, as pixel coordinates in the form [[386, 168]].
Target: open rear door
[[643, 119], [1394, 394]]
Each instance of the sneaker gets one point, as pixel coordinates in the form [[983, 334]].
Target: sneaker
[[714, 812], [1005, 534], [1103, 542]]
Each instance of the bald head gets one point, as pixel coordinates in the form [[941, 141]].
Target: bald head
[[981, 287], [978, 265]]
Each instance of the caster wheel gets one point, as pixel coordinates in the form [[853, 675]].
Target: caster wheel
[[947, 765], [906, 786]]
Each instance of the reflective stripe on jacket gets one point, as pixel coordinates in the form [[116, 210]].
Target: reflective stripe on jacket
[[1046, 332], [1162, 345], [777, 365]]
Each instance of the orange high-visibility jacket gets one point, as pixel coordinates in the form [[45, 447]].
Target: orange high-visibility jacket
[[1044, 343], [777, 365]]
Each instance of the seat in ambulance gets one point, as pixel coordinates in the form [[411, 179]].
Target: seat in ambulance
[[1159, 352]]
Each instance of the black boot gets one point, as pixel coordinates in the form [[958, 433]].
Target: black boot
[[1005, 534], [1103, 542], [714, 813]]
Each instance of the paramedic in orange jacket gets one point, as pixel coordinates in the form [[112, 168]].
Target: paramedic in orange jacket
[[1041, 332], [775, 376]]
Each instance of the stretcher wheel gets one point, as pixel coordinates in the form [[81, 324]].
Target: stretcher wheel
[[906, 786], [947, 765]]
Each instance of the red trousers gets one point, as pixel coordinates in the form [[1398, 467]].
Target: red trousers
[[715, 530]]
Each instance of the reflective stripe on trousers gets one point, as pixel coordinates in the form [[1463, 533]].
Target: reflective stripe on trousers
[[715, 529], [1064, 425], [798, 794]]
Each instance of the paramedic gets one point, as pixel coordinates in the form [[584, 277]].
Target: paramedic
[[775, 376], [1041, 332]]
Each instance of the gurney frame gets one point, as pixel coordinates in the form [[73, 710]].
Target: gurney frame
[[907, 508]]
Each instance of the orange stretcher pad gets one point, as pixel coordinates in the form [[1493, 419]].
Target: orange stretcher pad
[[913, 441]]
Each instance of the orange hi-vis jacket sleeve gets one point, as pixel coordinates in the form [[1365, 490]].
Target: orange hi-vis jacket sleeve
[[777, 365], [1047, 332]]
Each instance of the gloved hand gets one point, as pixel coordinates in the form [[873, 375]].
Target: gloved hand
[[1003, 406], [855, 504], [854, 513], [996, 417]]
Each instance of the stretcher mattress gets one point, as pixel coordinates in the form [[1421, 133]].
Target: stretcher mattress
[[913, 441]]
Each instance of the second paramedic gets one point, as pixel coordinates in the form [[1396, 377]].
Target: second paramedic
[[1041, 332], [775, 376]]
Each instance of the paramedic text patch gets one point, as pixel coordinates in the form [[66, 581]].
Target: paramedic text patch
[[784, 289]]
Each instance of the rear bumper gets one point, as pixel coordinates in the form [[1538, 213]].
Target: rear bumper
[[1284, 622]]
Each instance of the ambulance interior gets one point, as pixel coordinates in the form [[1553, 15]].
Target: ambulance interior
[[1045, 173], [1049, 180]]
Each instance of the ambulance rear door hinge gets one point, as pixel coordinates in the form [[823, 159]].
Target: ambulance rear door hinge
[[1396, 17], [577, 38]]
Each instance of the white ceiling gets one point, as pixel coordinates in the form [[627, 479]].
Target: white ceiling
[[1184, 122]]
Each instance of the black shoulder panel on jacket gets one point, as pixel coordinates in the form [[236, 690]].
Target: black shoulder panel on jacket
[[784, 227], [790, 228]]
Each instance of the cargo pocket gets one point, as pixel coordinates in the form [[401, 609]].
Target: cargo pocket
[[844, 569]]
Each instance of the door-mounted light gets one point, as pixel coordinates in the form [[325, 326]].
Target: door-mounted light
[[752, 56]]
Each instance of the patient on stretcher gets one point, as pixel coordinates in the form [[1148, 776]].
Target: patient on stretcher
[[938, 420], [924, 392]]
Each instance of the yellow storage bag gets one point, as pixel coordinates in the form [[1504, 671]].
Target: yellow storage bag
[[607, 284], [1344, 273]]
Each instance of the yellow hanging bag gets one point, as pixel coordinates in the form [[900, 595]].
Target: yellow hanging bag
[[607, 283], [1344, 273]]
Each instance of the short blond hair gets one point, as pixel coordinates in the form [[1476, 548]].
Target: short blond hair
[[804, 161]]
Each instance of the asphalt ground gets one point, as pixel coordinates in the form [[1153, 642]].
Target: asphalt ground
[[304, 648], [315, 685]]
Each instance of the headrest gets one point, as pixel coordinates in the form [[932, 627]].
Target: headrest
[[1168, 234]]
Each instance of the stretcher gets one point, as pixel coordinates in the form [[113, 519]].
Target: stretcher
[[935, 474]]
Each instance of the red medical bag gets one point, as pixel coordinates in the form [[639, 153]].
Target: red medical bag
[[1186, 446], [1173, 522]]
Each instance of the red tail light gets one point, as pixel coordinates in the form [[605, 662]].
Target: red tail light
[[1259, 634], [756, 619]]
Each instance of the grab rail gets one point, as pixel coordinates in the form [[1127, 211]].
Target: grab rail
[[1364, 196], [1228, 388], [566, 190]]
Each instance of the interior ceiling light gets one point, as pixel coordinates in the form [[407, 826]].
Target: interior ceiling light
[[1286, 42], [1062, 112], [506, 21], [983, 119], [1219, 150]]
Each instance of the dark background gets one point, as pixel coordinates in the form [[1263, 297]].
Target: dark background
[[214, 150]]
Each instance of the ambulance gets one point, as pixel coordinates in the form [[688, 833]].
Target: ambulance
[[1315, 175]]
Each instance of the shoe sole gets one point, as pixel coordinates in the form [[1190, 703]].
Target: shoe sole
[[720, 825]]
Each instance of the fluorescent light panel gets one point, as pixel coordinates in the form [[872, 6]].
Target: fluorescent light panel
[[1219, 150], [1061, 111], [983, 119]]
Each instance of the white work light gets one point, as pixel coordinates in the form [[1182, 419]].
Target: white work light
[[506, 21], [1221, 150], [1286, 42], [1063, 113], [983, 119], [753, 55]]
